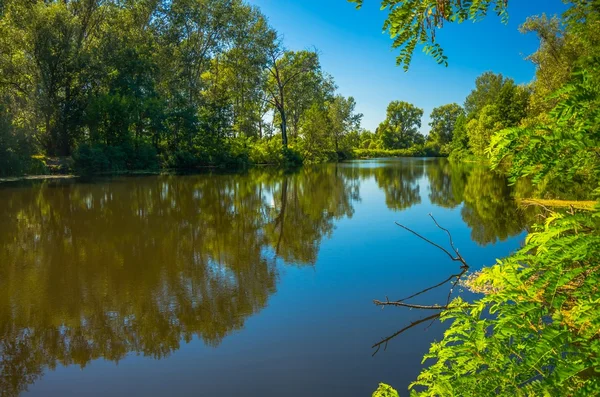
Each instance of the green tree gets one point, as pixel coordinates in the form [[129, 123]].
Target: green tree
[[342, 119], [443, 122], [486, 91], [400, 129], [284, 68]]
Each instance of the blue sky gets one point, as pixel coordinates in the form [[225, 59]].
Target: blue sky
[[354, 50]]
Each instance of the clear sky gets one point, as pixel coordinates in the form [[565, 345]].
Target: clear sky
[[354, 50]]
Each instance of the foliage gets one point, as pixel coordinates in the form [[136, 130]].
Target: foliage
[[495, 103], [400, 130], [541, 337], [100, 158], [415, 22], [564, 153], [385, 391], [197, 80], [443, 122], [342, 120], [535, 331], [15, 147], [382, 153]]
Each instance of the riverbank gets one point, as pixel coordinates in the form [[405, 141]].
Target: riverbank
[[68, 168]]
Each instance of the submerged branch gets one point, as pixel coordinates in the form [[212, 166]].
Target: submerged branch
[[432, 287], [387, 302], [385, 341], [457, 257]]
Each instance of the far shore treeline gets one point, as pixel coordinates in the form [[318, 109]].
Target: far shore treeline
[[96, 86]]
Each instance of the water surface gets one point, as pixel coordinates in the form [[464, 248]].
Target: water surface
[[253, 284]]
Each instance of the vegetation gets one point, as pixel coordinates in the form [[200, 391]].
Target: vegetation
[[126, 85], [535, 330], [144, 265]]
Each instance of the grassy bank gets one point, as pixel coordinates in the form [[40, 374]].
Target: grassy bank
[[414, 151]]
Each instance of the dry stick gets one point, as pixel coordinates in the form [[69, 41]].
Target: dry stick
[[458, 258], [430, 288], [412, 324], [422, 307]]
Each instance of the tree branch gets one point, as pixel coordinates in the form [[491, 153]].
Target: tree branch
[[385, 341]]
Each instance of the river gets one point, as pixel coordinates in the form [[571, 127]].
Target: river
[[248, 284]]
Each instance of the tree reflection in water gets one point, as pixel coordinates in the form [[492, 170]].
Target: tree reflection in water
[[138, 265]]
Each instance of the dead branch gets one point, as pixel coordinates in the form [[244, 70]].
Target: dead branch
[[387, 302], [385, 341], [432, 287], [457, 257]]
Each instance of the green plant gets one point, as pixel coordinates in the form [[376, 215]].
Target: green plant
[[535, 332], [385, 391]]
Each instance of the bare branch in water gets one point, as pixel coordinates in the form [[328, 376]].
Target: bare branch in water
[[385, 341], [432, 287], [457, 257], [396, 303]]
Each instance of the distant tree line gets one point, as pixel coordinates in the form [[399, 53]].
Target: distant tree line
[[135, 84]]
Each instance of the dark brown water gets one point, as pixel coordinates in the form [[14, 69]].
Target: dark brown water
[[255, 284]]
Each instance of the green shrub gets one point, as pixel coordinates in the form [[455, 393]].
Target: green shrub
[[267, 151], [99, 158], [37, 166], [385, 391], [90, 159], [292, 158], [182, 159], [16, 146], [375, 153], [237, 154]]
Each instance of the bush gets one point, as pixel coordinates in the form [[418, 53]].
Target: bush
[[292, 158], [37, 166], [146, 157], [375, 153], [16, 146], [267, 151], [237, 154], [90, 159], [183, 159], [99, 158]]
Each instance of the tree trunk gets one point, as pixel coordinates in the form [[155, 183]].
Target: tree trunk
[[283, 128]]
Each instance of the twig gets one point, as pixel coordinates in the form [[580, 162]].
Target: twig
[[422, 307], [430, 288], [412, 324], [457, 258]]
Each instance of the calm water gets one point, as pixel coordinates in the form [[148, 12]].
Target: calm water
[[256, 284]]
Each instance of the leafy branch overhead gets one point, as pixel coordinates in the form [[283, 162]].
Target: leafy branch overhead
[[412, 23]]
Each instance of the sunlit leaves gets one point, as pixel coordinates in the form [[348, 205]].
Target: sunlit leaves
[[412, 23]]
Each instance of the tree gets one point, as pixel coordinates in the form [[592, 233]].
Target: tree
[[309, 88], [443, 121], [481, 129], [314, 129], [460, 139], [554, 60], [400, 130], [284, 67], [486, 91], [342, 119]]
